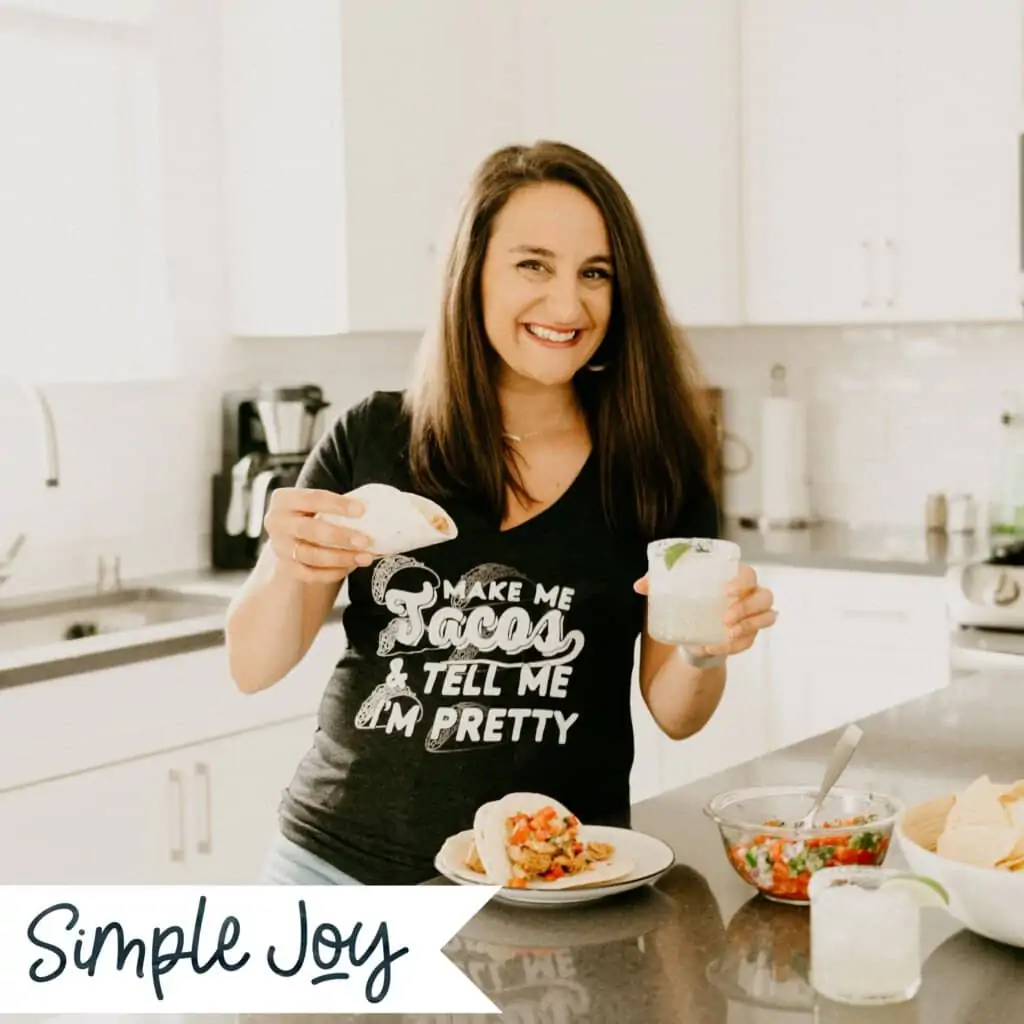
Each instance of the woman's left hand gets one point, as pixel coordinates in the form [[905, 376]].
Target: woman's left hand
[[749, 611]]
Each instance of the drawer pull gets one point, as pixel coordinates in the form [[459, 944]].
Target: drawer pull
[[204, 805], [176, 815]]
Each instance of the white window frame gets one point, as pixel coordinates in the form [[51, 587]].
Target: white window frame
[[58, 325]]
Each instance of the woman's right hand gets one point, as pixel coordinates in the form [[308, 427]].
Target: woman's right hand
[[309, 549]]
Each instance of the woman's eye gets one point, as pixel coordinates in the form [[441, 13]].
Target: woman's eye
[[531, 265], [597, 274]]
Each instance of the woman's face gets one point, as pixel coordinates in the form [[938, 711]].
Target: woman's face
[[546, 284]]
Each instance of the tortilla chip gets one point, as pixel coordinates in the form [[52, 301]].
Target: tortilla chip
[[982, 846], [1015, 812], [1013, 792], [924, 823], [979, 805]]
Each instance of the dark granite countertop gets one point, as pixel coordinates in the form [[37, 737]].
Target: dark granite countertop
[[678, 951]]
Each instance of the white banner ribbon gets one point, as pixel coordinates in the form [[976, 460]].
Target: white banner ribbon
[[235, 949]]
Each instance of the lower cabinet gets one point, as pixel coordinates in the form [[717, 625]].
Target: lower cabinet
[[116, 825], [848, 645], [199, 815]]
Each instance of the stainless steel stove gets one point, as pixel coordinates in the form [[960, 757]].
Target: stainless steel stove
[[986, 608]]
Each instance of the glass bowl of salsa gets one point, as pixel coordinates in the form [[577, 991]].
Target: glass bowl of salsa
[[757, 826]]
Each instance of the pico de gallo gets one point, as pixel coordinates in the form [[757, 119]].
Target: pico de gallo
[[781, 866]]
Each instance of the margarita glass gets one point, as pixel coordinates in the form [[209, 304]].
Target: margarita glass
[[686, 579], [865, 935]]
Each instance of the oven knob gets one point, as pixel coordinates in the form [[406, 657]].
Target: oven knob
[[1006, 590]]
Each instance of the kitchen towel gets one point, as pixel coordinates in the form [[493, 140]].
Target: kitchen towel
[[785, 488]]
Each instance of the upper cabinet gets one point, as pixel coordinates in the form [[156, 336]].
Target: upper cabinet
[[350, 129], [791, 161], [880, 165], [651, 90]]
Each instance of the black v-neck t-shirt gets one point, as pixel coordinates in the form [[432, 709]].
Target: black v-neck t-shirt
[[495, 662]]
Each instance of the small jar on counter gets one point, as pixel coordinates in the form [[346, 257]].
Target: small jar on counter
[[961, 513], [936, 512]]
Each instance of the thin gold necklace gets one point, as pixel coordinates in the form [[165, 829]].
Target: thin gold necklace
[[534, 433]]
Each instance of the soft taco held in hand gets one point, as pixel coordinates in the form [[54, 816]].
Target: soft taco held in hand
[[528, 840], [397, 521]]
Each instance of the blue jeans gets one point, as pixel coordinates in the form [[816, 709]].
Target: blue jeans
[[288, 863]]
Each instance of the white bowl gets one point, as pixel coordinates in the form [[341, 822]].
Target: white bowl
[[984, 900]]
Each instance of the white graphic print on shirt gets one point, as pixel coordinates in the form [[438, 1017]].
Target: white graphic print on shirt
[[498, 633]]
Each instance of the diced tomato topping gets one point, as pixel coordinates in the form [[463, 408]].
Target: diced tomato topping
[[517, 883]]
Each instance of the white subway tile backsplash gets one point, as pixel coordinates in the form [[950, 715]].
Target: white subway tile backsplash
[[893, 413]]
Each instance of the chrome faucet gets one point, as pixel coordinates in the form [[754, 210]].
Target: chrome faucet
[[51, 474], [48, 432]]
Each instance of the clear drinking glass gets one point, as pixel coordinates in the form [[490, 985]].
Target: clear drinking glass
[[686, 579], [865, 939]]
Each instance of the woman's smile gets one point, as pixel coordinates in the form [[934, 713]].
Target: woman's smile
[[552, 337]]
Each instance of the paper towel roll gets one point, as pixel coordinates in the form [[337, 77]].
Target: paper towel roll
[[785, 490]]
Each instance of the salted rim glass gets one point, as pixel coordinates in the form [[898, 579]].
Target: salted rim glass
[[709, 548]]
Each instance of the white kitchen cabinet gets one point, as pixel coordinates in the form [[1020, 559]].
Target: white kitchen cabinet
[[645, 777], [237, 784], [137, 710], [848, 645], [880, 160], [651, 90], [350, 131], [122, 825], [738, 731], [956, 225], [812, 170], [200, 815]]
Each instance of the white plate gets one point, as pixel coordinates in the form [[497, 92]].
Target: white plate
[[651, 858]]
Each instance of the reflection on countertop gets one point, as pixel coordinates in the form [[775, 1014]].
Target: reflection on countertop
[[702, 948], [833, 544]]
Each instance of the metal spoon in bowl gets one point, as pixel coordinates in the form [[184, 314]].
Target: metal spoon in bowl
[[837, 763]]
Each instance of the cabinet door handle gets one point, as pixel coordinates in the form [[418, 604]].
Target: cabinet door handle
[[894, 277], [204, 805], [875, 613], [176, 814]]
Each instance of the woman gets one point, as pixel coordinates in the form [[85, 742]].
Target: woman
[[553, 417]]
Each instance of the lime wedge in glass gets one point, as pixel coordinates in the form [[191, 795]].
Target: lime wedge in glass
[[674, 552], [924, 891]]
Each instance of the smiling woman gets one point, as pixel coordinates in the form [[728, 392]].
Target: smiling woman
[[555, 417]]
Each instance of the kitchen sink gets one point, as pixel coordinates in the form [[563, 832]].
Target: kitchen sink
[[45, 621]]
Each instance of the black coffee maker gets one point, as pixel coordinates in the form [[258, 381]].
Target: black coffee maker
[[268, 433]]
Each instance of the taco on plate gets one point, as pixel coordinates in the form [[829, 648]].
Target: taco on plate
[[531, 841]]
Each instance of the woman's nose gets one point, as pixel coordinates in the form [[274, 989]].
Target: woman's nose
[[564, 300]]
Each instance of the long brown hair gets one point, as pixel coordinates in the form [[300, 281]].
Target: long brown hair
[[648, 420]]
